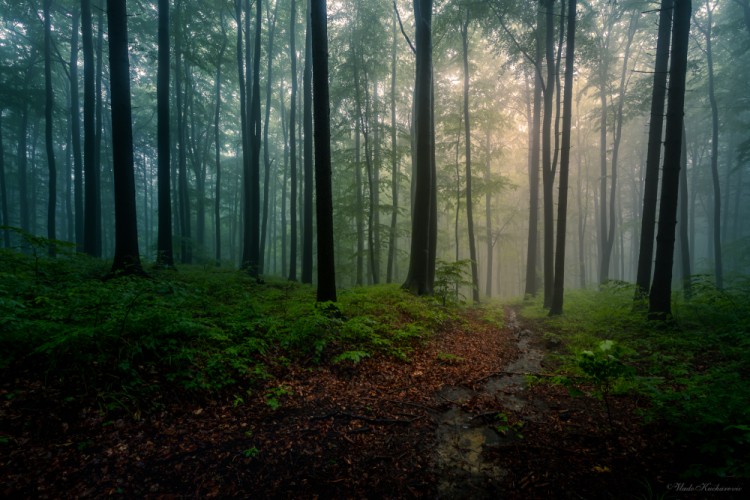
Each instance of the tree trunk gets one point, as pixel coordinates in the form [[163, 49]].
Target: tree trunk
[[266, 154], [467, 155], [716, 234], [651, 185], [255, 131], [421, 273], [48, 130], [683, 200], [98, 131], [488, 213], [562, 200], [182, 175], [3, 189], [366, 127], [548, 176], [660, 306], [127, 259], [164, 255], [217, 144], [324, 197], [359, 202], [392, 235], [23, 176], [92, 209], [293, 144], [75, 120], [307, 209]]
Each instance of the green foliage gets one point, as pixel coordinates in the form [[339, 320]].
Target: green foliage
[[124, 342], [450, 278], [506, 428], [695, 368]]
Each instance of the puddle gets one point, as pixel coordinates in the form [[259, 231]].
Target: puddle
[[461, 438]]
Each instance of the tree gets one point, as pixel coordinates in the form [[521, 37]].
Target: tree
[[293, 144], [217, 141], [307, 210], [75, 120], [324, 197], [164, 255], [651, 186], [3, 188], [660, 306], [421, 275], [392, 247], [556, 306], [48, 127], [92, 238], [716, 222], [464, 27], [127, 258], [548, 174]]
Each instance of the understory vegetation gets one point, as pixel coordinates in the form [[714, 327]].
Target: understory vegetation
[[695, 368], [128, 343]]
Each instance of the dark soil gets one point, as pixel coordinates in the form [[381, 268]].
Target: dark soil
[[458, 420]]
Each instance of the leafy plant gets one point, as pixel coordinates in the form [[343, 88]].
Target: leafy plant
[[450, 278]]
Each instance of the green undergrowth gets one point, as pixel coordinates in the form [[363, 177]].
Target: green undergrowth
[[695, 368], [131, 342]]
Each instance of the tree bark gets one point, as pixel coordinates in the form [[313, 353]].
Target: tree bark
[[324, 196], [420, 277], [488, 213], [48, 131], [164, 256], [3, 188], [92, 209], [307, 208], [127, 259], [556, 306], [548, 176], [182, 175], [255, 137], [651, 186], [217, 145], [660, 306], [683, 201], [467, 144], [293, 144], [23, 176], [75, 120], [392, 236]]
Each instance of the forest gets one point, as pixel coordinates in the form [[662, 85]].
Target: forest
[[375, 248]]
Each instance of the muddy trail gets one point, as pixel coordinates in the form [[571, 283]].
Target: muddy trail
[[459, 419]]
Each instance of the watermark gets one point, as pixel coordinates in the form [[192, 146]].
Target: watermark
[[703, 488]]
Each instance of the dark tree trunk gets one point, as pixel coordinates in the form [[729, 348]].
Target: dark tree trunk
[[266, 155], [92, 240], [660, 306], [467, 155], [534, 139], [255, 137], [217, 144], [127, 259], [23, 176], [651, 186], [293, 145], [683, 200], [359, 208], [3, 188], [392, 241], [48, 130], [716, 226], [75, 121], [164, 255], [182, 175], [420, 277], [98, 130], [285, 132], [324, 196], [245, 133], [307, 210], [548, 176], [488, 214], [562, 204]]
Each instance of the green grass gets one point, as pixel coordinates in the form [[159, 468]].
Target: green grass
[[695, 368], [126, 341]]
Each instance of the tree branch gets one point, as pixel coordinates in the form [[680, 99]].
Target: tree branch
[[398, 16]]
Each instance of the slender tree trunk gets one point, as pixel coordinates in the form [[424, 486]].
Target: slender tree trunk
[[392, 236], [366, 127], [244, 262], [266, 154], [217, 144], [683, 200], [548, 176], [164, 255], [307, 211], [716, 226], [91, 234], [488, 212], [255, 137], [75, 120], [23, 176], [48, 130], [562, 203], [324, 199], [182, 174], [467, 144], [96, 204], [376, 177], [127, 259], [293, 144], [534, 145], [359, 202], [651, 186], [661, 289]]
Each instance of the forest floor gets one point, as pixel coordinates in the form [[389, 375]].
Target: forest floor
[[458, 420]]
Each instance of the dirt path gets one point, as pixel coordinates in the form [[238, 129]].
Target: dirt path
[[456, 421]]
